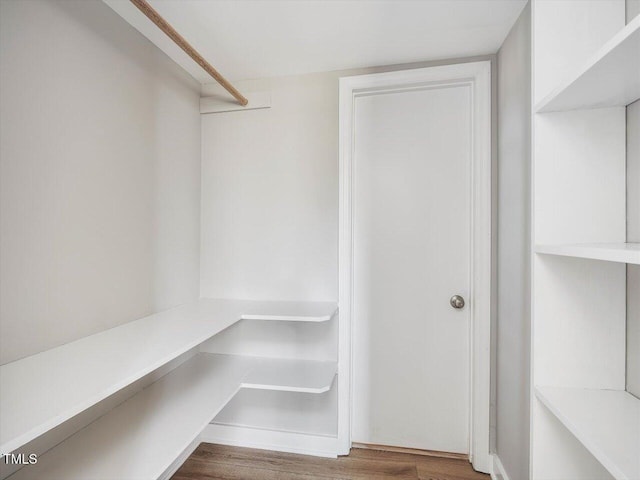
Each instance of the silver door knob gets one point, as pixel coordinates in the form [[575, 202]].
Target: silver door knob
[[457, 301]]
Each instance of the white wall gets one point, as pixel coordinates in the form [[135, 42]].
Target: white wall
[[270, 191], [632, 8], [270, 221], [270, 195], [100, 172], [633, 235], [633, 231], [514, 176]]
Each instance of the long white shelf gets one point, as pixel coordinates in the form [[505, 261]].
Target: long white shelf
[[610, 78], [143, 436], [606, 422], [611, 252], [42, 391]]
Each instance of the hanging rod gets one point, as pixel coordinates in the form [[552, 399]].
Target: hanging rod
[[179, 40]]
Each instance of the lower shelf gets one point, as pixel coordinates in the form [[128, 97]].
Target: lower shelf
[[606, 422], [143, 436], [277, 411], [291, 376]]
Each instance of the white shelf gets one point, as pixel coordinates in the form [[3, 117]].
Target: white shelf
[[143, 436], [610, 78], [277, 411], [291, 375], [42, 391], [611, 252], [287, 311], [35, 398], [606, 422]]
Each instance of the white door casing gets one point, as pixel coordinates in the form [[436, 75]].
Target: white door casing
[[475, 79]]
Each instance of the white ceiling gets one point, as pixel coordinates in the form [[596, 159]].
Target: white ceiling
[[245, 39]]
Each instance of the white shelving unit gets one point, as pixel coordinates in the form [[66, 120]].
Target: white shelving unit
[[302, 417], [155, 427], [610, 78], [169, 414], [585, 425], [610, 252], [98, 366], [606, 422]]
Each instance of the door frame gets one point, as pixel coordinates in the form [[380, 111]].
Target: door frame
[[476, 75]]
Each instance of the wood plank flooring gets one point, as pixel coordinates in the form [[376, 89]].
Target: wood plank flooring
[[218, 462]]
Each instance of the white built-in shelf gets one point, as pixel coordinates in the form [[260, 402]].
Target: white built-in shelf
[[606, 422], [611, 252], [291, 376], [260, 410], [44, 390], [287, 311], [143, 436], [610, 78]]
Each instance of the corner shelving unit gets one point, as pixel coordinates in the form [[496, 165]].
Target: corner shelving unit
[[163, 420], [300, 351], [98, 366], [585, 424], [157, 427]]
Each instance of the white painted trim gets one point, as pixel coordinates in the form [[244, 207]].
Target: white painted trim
[[290, 442], [498, 472], [478, 76]]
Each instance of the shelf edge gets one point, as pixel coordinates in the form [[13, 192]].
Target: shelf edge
[[601, 53]]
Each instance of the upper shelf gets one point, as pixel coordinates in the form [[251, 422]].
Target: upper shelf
[[606, 422], [610, 78], [34, 400], [611, 252]]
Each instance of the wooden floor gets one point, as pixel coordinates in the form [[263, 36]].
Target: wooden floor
[[232, 463]]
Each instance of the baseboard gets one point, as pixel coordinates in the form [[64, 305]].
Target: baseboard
[[498, 472], [316, 445], [411, 451]]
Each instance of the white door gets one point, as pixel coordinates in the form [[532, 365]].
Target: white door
[[412, 229]]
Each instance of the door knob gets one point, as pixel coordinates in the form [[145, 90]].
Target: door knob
[[457, 301]]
